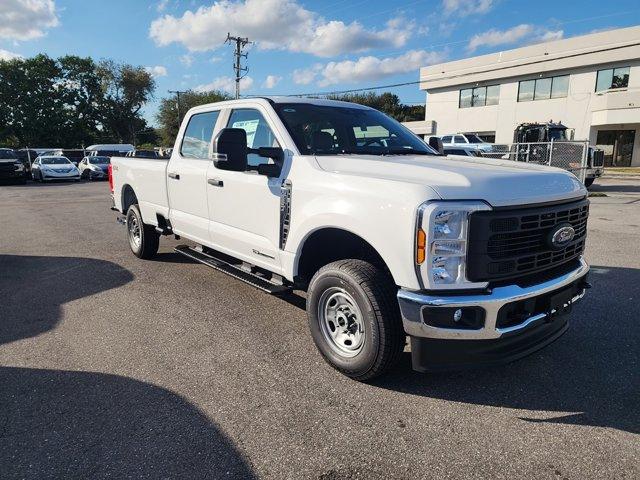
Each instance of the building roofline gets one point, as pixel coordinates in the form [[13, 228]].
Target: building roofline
[[592, 49]]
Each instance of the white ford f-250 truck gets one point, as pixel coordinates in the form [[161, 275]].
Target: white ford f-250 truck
[[475, 260]]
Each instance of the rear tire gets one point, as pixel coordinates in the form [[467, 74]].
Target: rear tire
[[143, 238], [354, 318]]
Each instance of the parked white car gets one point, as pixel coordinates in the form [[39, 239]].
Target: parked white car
[[94, 167], [468, 140], [475, 260], [46, 168]]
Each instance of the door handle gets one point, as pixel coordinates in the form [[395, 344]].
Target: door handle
[[175, 176], [216, 182]]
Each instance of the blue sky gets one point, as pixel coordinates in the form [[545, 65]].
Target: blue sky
[[300, 46]]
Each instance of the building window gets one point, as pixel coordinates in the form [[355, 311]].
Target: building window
[[612, 78], [543, 88], [479, 96]]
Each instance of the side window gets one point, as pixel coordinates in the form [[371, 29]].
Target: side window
[[197, 136], [259, 134], [446, 139], [458, 139]]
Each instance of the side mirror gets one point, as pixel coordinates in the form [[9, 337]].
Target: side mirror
[[270, 169], [230, 149], [436, 144]]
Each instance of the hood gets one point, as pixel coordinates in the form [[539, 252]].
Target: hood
[[499, 182]]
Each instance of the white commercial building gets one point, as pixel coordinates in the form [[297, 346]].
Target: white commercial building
[[589, 83]]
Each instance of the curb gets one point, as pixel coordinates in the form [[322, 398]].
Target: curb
[[618, 176]]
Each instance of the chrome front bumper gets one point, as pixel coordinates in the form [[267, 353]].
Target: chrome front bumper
[[412, 304]]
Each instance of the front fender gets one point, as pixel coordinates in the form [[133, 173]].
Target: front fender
[[388, 225]]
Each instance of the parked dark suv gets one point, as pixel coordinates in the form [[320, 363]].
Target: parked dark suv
[[11, 168]]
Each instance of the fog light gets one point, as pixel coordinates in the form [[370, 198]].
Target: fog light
[[465, 318]]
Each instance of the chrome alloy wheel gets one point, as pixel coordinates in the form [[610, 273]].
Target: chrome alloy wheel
[[135, 235], [341, 322]]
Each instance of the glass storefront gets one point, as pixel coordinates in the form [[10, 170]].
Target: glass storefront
[[617, 146]]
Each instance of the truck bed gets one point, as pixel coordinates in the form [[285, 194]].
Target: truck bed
[[148, 178]]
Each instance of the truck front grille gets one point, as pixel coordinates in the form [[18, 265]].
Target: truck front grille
[[510, 243]]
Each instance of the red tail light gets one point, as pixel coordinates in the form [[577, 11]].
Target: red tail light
[[110, 174]]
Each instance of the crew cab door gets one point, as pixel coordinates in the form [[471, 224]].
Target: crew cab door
[[244, 207], [187, 178]]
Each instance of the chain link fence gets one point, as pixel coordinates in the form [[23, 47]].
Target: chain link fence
[[571, 156]]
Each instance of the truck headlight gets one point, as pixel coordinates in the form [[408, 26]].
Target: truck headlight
[[445, 232]]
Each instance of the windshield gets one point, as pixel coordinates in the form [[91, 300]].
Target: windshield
[[55, 161], [99, 160], [329, 130], [557, 134], [474, 139]]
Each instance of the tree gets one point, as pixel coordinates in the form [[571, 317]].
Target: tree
[[125, 90], [167, 116], [71, 102], [386, 102], [30, 99], [81, 97]]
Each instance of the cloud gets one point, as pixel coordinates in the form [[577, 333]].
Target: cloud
[[549, 36], [462, 8], [162, 5], [26, 19], [275, 24], [157, 71], [521, 33], [7, 55], [187, 60], [366, 68], [226, 84], [271, 81], [335, 38], [305, 76]]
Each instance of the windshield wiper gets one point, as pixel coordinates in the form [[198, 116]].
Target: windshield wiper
[[407, 151]]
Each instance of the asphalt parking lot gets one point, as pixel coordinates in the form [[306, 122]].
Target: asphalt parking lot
[[116, 367]]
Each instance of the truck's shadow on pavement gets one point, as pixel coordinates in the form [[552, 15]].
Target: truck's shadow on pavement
[[34, 288], [63, 424], [590, 376], [75, 424]]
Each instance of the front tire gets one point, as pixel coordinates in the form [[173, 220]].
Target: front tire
[[589, 181], [354, 318], [143, 239]]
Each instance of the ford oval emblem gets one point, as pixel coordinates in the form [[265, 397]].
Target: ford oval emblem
[[561, 235]]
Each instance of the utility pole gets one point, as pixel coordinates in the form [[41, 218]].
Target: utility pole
[[178, 92], [240, 42]]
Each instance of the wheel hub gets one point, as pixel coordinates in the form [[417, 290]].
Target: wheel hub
[[341, 322], [134, 230]]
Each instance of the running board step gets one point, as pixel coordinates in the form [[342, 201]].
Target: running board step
[[225, 267]]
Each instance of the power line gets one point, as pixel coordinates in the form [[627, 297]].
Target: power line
[[353, 90], [241, 71], [379, 87]]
